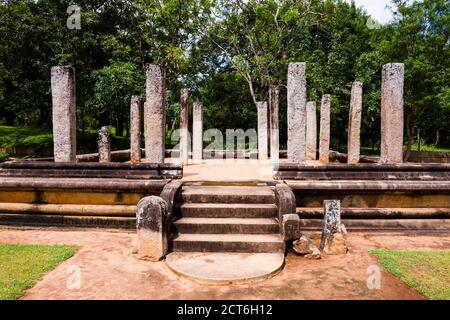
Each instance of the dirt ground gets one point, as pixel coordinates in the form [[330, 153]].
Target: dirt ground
[[109, 270]]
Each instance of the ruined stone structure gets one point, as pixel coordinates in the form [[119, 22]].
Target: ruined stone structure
[[104, 145], [324, 140], [262, 130], [296, 113], [135, 129], [197, 132], [354, 123], [152, 223], [184, 129], [392, 113], [311, 130], [154, 114], [64, 114], [274, 97]]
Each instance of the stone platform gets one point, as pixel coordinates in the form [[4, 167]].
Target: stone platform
[[225, 268]]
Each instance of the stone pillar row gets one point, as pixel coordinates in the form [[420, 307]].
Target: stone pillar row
[[302, 122]]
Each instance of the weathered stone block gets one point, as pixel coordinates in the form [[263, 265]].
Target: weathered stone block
[[152, 223], [354, 123], [311, 130], [64, 114], [296, 113], [392, 113], [154, 114], [104, 145], [262, 130], [305, 247], [324, 142], [135, 129], [290, 227], [333, 231]]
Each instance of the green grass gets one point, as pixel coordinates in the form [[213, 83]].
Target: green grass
[[41, 139], [426, 271], [21, 266], [431, 148], [3, 156]]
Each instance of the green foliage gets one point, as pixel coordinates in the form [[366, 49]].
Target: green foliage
[[427, 272], [21, 266], [228, 53]]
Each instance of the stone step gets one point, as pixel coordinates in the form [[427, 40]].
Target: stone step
[[228, 210], [227, 225], [255, 243], [228, 194]]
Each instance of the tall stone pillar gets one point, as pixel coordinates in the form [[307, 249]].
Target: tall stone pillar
[[324, 141], [392, 113], [104, 145], [311, 130], [184, 129], [274, 98], [64, 114], [354, 123], [135, 129], [154, 114], [296, 113], [197, 132], [262, 130]]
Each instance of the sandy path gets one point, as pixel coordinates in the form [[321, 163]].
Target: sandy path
[[109, 270]]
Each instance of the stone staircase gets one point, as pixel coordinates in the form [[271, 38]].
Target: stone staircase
[[227, 218]]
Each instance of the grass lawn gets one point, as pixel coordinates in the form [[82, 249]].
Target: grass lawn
[[21, 266], [426, 271]]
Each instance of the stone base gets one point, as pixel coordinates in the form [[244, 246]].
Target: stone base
[[225, 268]]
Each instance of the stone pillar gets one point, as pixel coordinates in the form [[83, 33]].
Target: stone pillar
[[104, 145], [135, 129], [262, 130], [392, 113], [152, 223], [311, 130], [154, 114], [334, 234], [354, 123], [197, 132], [274, 98], [296, 112], [324, 141], [64, 114], [184, 130]]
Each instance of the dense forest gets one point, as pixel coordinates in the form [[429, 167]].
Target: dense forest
[[228, 53]]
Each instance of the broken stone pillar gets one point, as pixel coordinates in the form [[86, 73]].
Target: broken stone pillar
[[324, 141], [154, 114], [135, 129], [197, 132], [64, 114], [392, 113], [305, 247], [274, 97], [262, 130], [311, 130], [354, 123], [296, 112], [152, 223], [104, 145], [184, 122], [334, 234]]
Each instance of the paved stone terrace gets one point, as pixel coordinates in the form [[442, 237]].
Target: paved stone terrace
[[110, 270]]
